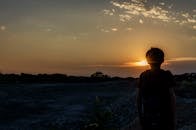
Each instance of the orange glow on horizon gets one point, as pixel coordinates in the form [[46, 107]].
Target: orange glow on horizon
[[140, 63]]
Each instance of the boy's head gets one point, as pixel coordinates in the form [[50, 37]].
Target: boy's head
[[155, 56]]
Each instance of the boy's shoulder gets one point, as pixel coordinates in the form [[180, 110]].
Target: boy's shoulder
[[167, 73], [145, 73]]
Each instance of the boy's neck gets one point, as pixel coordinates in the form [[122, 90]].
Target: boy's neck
[[155, 67]]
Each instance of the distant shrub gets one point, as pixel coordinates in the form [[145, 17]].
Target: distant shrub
[[99, 75], [100, 118], [186, 89]]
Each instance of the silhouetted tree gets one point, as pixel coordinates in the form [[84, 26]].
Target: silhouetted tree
[[99, 75]]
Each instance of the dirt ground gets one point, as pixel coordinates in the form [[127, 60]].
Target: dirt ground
[[185, 115]]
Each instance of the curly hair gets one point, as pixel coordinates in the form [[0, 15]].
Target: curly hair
[[155, 56]]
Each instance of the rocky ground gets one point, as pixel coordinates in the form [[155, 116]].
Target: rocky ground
[[108, 105], [185, 107], [186, 115], [58, 106]]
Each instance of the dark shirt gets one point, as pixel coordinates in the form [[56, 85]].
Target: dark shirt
[[155, 96]]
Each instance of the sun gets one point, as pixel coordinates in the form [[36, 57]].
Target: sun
[[141, 63]]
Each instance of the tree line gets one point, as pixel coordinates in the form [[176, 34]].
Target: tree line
[[56, 78]]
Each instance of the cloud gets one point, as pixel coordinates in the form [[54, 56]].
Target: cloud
[[3, 28], [158, 13], [125, 17], [129, 29], [144, 63], [129, 11], [162, 3], [45, 27], [114, 29], [48, 30], [185, 15], [109, 66], [137, 8], [182, 59], [176, 65], [191, 20], [105, 30], [186, 18], [193, 37], [108, 12], [141, 21], [194, 27]]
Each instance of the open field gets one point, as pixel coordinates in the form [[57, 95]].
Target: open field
[[64, 106], [42, 105]]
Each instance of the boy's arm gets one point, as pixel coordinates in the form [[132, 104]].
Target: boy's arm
[[139, 98], [139, 103], [173, 105]]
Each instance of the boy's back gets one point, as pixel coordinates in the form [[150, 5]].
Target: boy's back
[[156, 83], [155, 97]]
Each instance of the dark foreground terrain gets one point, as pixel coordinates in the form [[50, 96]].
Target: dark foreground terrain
[[61, 106], [101, 105]]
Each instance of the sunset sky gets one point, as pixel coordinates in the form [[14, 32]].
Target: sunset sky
[[79, 37]]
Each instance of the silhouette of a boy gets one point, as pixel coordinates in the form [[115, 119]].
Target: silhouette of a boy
[[155, 94]]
